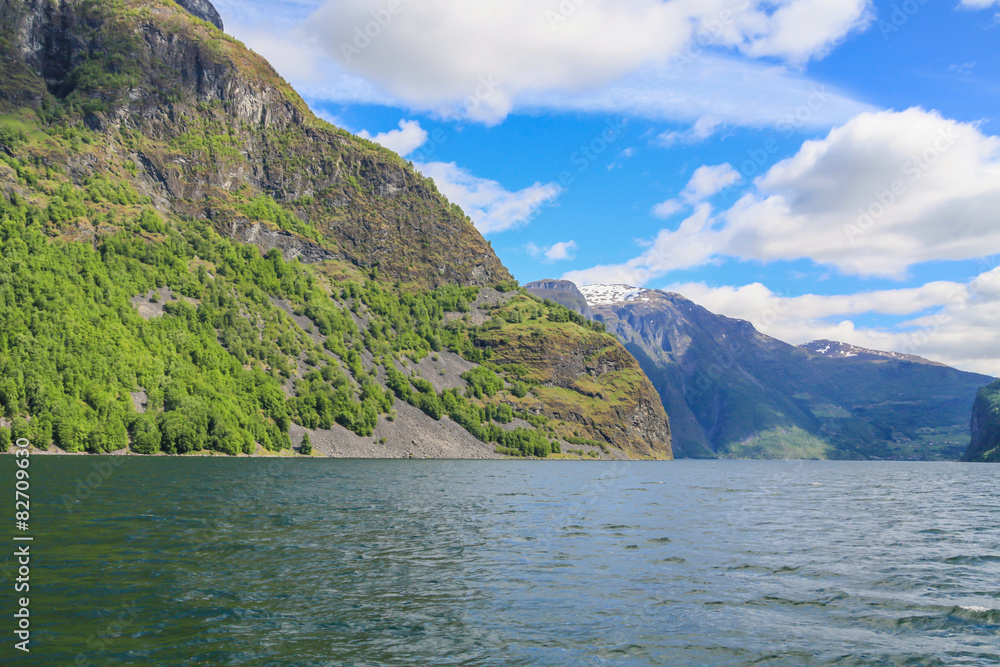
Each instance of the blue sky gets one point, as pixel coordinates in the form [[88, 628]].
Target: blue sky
[[822, 168]]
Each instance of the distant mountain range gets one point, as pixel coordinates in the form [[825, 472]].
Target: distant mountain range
[[731, 391]]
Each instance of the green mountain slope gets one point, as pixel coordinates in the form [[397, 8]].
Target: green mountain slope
[[732, 391], [190, 260], [985, 426]]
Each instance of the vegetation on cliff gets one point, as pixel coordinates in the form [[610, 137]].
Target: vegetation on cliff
[[190, 260], [985, 444]]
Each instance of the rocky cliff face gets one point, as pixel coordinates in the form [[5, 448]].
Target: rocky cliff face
[[564, 292], [204, 10], [209, 124], [588, 379], [141, 152], [985, 426]]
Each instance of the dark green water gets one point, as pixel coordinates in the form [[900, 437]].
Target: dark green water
[[327, 562]]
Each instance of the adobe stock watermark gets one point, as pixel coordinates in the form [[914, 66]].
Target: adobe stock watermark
[[707, 378], [710, 33], [758, 159], [912, 171], [84, 487], [484, 89], [99, 642], [586, 154], [364, 35], [899, 16], [959, 298]]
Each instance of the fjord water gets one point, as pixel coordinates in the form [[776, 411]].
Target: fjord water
[[335, 562]]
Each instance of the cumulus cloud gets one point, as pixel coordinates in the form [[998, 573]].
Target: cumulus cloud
[[695, 85], [882, 193], [689, 246], [951, 322], [798, 31], [978, 4], [666, 209], [483, 57], [557, 252], [408, 138], [491, 207], [705, 182]]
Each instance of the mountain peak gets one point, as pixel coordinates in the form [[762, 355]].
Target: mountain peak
[[204, 10]]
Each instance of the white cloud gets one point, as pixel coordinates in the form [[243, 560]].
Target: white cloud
[[557, 252], [802, 30], [491, 207], [623, 155], [408, 138], [561, 251], [978, 4], [328, 117], [709, 92], [705, 182], [484, 58], [704, 87], [952, 322], [702, 129], [689, 246], [882, 193], [666, 209]]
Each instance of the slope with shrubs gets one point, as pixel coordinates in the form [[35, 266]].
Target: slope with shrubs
[[147, 159]]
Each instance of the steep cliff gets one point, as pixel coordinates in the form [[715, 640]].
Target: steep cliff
[[190, 260], [204, 10], [208, 126], [985, 444], [582, 377]]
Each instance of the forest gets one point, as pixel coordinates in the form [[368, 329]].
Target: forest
[[223, 368]]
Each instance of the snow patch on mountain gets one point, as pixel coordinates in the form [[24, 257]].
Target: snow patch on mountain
[[836, 349], [609, 295]]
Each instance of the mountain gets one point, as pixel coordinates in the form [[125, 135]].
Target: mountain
[[733, 391], [832, 349], [564, 292], [985, 426], [203, 10], [191, 261]]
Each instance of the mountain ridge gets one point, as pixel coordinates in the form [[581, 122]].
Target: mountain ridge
[[733, 391]]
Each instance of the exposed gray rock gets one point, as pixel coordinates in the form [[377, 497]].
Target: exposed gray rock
[[563, 292], [204, 10], [291, 246]]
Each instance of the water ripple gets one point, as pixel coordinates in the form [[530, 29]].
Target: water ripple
[[250, 562]]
